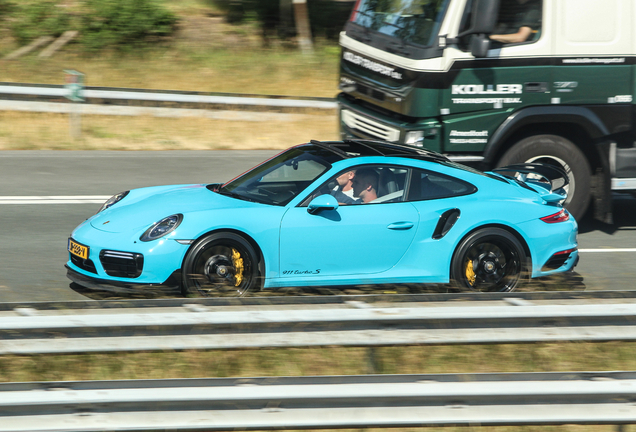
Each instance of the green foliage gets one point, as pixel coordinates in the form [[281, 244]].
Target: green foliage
[[42, 18], [6, 7], [125, 24], [118, 24], [327, 17]]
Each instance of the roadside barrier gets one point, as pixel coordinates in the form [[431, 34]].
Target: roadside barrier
[[352, 323], [291, 403], [288, 403], [165, 98]]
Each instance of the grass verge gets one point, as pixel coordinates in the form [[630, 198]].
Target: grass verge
[[44, 131], [542, 357], [333, 361]]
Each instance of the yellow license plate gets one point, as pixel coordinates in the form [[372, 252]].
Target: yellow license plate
[[77, 249]]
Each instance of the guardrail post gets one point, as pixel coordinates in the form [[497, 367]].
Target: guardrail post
[[75, 87], [373, 366], [302, 26]]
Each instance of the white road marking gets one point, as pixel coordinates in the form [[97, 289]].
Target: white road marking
[[62, 199], [609, 250]]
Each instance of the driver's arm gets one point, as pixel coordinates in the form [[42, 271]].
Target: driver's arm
[[521, 36]]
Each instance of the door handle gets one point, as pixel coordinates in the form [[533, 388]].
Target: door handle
[[400, 225]]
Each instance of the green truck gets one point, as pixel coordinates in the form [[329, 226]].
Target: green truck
[[495, 82]]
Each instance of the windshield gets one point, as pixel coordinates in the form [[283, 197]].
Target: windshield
[[414, 22], [280, 179]]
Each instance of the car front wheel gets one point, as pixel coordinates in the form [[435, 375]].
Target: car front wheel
[[220, 265], [488, 260]]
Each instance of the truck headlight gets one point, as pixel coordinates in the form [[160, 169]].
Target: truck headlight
[[414, 138]]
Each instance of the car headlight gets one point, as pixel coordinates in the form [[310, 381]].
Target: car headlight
[[113, 200], [161, 228]]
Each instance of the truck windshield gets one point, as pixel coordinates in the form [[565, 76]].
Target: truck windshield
[[414, 22]]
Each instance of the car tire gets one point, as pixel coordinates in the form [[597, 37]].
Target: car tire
[[220, 265], [556, 150], [488, 260]]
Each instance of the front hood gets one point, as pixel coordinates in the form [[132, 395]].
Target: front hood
[[143, 207]]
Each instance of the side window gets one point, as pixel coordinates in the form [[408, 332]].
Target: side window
[[426, 185], [365, 184], [518, 21], [464, 25]]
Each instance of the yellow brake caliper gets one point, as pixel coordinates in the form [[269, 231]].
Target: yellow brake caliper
[[470, 272], [237, 262]]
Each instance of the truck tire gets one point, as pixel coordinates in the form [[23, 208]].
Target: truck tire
[[556, 150]]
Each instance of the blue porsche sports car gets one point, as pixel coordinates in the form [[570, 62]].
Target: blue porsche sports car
[[333, 213]]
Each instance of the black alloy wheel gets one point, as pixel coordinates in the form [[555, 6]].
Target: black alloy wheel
[[488, 260], [220, 265]]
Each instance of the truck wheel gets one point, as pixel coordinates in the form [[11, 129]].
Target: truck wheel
[[556, 150]]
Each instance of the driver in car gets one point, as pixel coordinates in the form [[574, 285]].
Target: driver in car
[[365, 186]]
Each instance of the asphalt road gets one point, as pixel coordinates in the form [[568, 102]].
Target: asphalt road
[[35, 228]]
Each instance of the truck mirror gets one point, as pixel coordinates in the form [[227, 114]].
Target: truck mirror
[[483, 17], [479, 45]]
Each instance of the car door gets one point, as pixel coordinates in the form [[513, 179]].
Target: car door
[[358, 239]]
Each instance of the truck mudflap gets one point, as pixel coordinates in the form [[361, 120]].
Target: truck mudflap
[[550, 181]]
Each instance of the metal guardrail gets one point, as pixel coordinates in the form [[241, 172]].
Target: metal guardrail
[[165, 97], [196, 326], [317, 296], [321, 402]]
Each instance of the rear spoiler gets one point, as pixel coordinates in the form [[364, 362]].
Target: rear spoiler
[[548, 180]]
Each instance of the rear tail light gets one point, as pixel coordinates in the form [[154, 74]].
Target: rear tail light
[[561, 216], [565, 252]]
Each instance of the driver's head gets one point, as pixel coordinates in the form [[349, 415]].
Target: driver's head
[[365, 182]]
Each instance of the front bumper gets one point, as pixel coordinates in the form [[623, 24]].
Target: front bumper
[[171, 286]]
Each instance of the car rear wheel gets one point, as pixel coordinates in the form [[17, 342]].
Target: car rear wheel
[[220, 265], [488, 260]]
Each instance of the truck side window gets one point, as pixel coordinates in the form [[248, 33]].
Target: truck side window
[[518, 21], [464, 24]]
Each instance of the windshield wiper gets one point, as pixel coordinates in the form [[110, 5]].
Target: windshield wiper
[[235, 195]]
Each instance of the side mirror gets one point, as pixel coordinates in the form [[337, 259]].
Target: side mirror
[[322, 202], [479, 45], [484, 16]]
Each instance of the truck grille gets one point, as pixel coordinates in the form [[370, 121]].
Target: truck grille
[[122, 264], [369, 127], [372, 93]]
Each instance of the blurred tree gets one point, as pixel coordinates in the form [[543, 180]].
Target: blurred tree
[[125, 24], [327, 17], [36, 19], [6, 7]]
